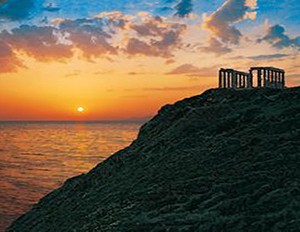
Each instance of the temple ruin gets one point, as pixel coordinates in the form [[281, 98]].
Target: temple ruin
[[267, 77]]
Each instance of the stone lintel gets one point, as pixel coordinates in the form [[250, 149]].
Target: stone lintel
[[233, 71], [267, 68]]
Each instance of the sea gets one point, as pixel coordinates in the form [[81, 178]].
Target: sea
[[37, 157]]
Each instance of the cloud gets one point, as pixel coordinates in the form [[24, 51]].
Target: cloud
[[193, 71], [294, 76], [277, 37], [170, 61], [106, 35], [15, 10], [172, 89], [276, 56], [180, 8], [40, 43], [73, 74], [89, 36], [135, 73], [8, 59], [141, 35], [184, 69], [150, 27], [184, 8], [155, 38], [167, 88], [221, 23], [47, 43], [51, 8], [136, 46], [215, 46], [267, 57]]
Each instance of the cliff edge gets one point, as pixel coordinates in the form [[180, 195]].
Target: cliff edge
[[226, 160]]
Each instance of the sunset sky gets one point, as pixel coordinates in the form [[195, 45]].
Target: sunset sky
[[124, 59]]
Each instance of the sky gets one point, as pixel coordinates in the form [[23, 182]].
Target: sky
[[124, 59]]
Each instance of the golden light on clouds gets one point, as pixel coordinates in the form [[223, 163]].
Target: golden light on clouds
[[133, 63], [251, 4]]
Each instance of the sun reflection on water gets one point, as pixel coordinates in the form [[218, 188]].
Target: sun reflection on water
[[38, 157]]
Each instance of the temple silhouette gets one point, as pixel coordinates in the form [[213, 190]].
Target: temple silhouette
[[267, 77]]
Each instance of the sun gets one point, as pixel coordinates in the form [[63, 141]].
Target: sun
[[80, 109]]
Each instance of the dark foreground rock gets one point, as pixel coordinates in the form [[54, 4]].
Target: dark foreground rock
[[222, 161]]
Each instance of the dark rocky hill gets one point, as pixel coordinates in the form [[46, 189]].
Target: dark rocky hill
[[222, 161]]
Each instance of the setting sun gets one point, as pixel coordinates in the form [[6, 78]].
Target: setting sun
[[80, 109], [149, 115]]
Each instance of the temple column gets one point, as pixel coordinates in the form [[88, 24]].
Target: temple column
[[265, 77], [224, 79], [228, 79], [279, 79], [234, 80], [220, 79], [248, 81], [241, 81], [276, 79], [269, 78], [283, 79], [244, 80], [251, 79], [272, 79], [259, 84]]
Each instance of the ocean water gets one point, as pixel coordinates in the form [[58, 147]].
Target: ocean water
[[37, 157]]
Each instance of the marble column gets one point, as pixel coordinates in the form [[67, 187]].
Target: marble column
[[265, 77], [234, 80], [259, 84], [244, 80], [228, 79], [248, 80], [220, 79], [276, 79], [251, 79], [224, 79]]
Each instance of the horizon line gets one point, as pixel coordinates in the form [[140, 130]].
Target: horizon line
[[80, 121]]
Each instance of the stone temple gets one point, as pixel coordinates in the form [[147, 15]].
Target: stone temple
[[266, 77]]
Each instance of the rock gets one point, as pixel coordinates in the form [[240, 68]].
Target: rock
[[222, 161]]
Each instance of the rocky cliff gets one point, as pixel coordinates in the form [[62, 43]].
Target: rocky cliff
[[222, 161]]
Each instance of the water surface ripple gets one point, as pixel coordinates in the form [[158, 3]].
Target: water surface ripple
[[37, 157]]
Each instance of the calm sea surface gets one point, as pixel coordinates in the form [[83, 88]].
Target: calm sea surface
[[37, 157]]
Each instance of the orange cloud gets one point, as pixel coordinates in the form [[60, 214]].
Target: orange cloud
[[215, 46], [96, 37], [8, 59], [193, 71], [221, 23], [38, 42]]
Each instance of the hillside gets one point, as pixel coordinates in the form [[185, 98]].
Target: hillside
[[222, 161]]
